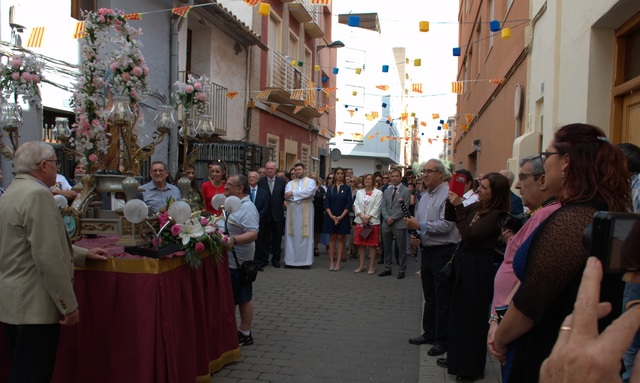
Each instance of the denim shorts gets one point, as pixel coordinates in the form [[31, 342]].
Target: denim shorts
[[242, 291]]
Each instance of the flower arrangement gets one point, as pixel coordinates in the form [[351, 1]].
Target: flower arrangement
[[123, 69], [21, 76], [192, 93], [196, 235]]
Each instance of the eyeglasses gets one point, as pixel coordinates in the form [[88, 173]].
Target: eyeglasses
[[523, 176], [429, 171], [545, 155]]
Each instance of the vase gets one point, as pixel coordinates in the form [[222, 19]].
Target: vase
[[11, 117]]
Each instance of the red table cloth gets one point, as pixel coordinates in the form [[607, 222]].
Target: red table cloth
[[149, 320]]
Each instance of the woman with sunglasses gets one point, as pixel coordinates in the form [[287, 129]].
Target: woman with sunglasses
[[587, 173]]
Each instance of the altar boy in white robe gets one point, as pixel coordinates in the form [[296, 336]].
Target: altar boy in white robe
[[298, 229]]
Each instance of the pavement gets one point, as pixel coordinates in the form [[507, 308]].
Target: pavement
[[321, 326]]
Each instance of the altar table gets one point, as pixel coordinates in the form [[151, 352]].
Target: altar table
[[149, 320]]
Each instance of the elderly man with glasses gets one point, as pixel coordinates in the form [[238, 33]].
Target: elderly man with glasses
[[158, 191]]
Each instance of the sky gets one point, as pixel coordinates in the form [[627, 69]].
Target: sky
[[399, 23]]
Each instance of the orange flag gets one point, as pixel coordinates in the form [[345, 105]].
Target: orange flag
[[133, 16], [457, 87], [181, 11], [231, 95], [469, 118], [35, 38], [79, 33], [382, 87], [435, 116]]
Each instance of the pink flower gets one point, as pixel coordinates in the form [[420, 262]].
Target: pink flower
[[203, 221], [146, 70], [35, 78], [16, 62], [176, 229], [188, 89], [163, 218], [114, 66], [26, 76], [201, 97], [126, 77], [156, 242], [141, 60], [199, 247], [137, 71], [198, 86], [93, 157], [15, 76]]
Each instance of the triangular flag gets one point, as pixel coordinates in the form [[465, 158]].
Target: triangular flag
[[404, 116], [321, 110], [351, 112], [435, 116], [496, 80], [375, 114], [297, 109], [417, 88], [181, 11], [251, 104], [252, 2], [382, 87], [368, 117], [465, 127], [79, 33], [457, 87], [445, 126], [273, 107], [370, 137], [133, 16], [35, 38], [321, 2], [231, 95], [469, 118], [423, 123]]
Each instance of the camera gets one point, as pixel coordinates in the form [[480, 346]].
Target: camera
[[509, 221], [615, 239]]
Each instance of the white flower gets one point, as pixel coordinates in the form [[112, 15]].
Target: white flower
[[191, 229]]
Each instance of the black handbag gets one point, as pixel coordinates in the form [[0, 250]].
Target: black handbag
[[247, 271], [446, 273]]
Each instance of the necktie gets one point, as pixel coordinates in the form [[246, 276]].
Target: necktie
[[253, 194], [393, 196], [271, 186]]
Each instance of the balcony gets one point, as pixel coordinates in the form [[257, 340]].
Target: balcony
[[308, 14], [217, 107], [289, 86]]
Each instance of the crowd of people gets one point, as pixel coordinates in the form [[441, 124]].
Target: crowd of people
[[514, 263]]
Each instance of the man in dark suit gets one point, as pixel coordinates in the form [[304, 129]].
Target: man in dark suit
[[393, 225], [260, 198], [274, 228]]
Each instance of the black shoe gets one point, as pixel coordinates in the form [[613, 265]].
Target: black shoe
[[421, 340], [384, 273], [469, 378], [287, 266], [442, 362], [381, 261], [244, 340], [275, 264], [401, 275], [437, 350], [305, 267], [260, 268]]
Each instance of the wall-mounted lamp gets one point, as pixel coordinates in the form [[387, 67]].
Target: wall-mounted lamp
[[335, 44], [476, 145]]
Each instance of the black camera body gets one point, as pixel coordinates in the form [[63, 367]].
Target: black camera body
[[615, 239], [509, 221]]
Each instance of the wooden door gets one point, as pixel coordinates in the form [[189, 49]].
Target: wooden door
[[631, 119]]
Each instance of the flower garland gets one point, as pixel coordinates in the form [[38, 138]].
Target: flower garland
[[21, 76], [129, 78]]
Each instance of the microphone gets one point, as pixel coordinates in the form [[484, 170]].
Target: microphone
[[414, 233]]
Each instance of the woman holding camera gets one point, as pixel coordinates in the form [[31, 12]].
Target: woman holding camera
[[587, 174], [473, 272]]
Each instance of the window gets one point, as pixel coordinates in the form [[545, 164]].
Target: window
[[273, 143], [351, 100], [353, 132], [77, 6]]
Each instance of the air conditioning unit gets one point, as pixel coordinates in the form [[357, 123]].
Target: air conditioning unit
[[13, 20]]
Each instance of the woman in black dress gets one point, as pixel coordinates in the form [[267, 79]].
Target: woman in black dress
[[337, 204], [473, 273]]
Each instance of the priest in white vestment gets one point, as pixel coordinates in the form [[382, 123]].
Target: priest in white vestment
[[298, 230]]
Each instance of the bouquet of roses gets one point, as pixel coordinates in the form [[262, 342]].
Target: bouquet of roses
[[21, 76], [192, 93]]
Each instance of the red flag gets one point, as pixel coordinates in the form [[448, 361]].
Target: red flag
[[35, 38], [181, 11], [417, 88], [457, 87], [133, 16]]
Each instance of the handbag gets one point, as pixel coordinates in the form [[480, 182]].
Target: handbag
[[366, 231], [446, 273], [247, 271]]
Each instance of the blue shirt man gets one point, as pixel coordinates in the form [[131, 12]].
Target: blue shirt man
[[157, 192]]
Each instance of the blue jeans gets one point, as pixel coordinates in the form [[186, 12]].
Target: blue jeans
[[631, 292]]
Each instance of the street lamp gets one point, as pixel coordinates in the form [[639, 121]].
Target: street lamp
[[335, 44]]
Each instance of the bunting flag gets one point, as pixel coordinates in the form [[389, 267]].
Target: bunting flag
[[377, 134], [181, 11], [351, 112], [231, 95], [435, 116], [339, 133], [389, 118], [297, 94], [251, 104], [263, 94], [323, 132], [252, 2], [311, 94], [370, 137], [457, 87], [383, 139], [133, 16], [274, 107], [465, 127], [423, 123], [469, 118], [368, 117], [321, 2], [328, 90], [404, 116], [375, 114], [382, 87], [79, 33], [445, 126], [496, 80], [35, 38], [297, 109], [321, 110], [417, 88]]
